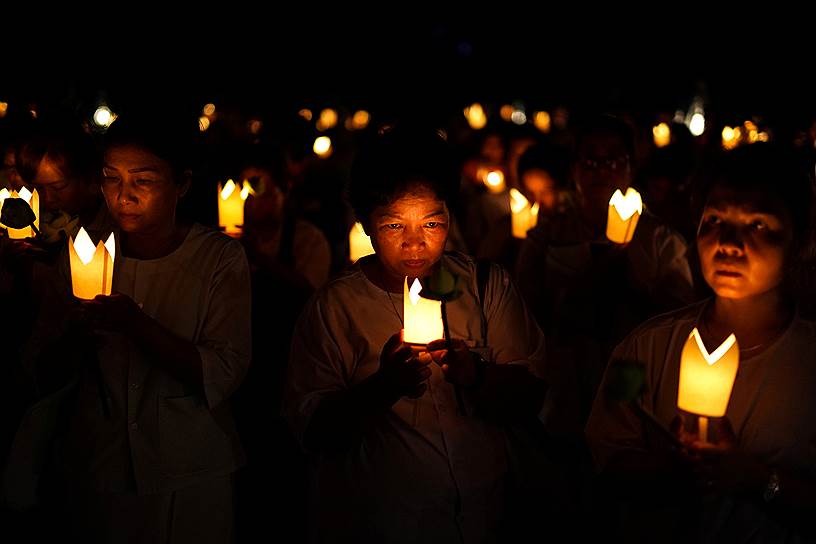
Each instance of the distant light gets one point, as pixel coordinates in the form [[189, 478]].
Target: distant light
[[697, 124], [730, 137], [661, 134], [679, 116], [306, 114], [518, 117], [749, 126], [327, 120], [762, 137], [255, 126], [322, 146], [360, 119], [475, 116], [3, 108], [103, 117], [203, 123], [506, 112], [209, 109], [494, 181], [542, 121]]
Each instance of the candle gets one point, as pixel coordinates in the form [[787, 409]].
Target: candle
[[624, 212], [33, 200], [359, 243], [422, 317], [91, 268], [523, 216]]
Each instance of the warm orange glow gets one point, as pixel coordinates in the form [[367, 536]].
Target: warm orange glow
[[255, 126], [327, 119], [542, 121], [730, 137], [624, 212], [3, 108], [359, 243], [322, 146], [231, 206], [360, 120], [492, 179], [33, 200], [306, 114], [209, 109], [91, 268], [422, 317], [661, 133], [506, 112], [706, 379], [203, 123], [523, 217], [475, 116]]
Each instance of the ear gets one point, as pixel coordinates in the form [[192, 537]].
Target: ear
[[186, 181]]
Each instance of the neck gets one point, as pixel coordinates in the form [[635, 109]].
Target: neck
[[754, 320], [379, 276], [153, 245]]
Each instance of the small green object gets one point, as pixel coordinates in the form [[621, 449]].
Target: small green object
[[626, 380], [441, 285]]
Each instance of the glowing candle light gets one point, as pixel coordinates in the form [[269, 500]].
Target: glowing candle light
[[422, 317], [91, 267], [624, 212], [706, 379], [523, 217]]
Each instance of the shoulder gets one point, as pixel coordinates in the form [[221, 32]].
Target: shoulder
[[656, 231], [208, 244], [665, 325]]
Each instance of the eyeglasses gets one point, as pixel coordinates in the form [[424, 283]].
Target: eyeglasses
[[607, 163]]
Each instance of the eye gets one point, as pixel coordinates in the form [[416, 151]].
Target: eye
[[393, 226], [432, 224], [144, 181], [712, 220], [110, 179], [759, 225]]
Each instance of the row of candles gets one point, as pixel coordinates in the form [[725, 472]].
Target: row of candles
[[705, 380]]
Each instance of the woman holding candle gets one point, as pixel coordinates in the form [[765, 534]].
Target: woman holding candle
[[398, 457], [148, 455], [753, 479]]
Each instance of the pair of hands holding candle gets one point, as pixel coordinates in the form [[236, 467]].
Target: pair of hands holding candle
[[718, 467], [115, 312], [405, 368]]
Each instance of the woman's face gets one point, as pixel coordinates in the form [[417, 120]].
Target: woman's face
[[59, 191], [744, 240], [409, 234], [266, 207], [140, 191]]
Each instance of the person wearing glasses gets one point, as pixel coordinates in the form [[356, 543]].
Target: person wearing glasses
[[587, 292]]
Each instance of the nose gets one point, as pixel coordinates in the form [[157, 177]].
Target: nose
[[413, 239], [731, 240], [125, 195]]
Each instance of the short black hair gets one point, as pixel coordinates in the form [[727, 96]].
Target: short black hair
[[397, 159], [769, 168], [171, 136], [64, 142]]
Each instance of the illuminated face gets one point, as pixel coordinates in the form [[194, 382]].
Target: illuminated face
[[541, 187], [409, 234], [139, 190], [743, 240], [602, 166], [267, 205], [60, 192]]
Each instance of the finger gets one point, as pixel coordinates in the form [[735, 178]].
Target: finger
[[424, 358], [393, 343], [423, 373]]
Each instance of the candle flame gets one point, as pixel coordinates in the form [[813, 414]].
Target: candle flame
[[717, 354], [84, 247], [518, 201], [627, 205], [413, 292], [229, 187]]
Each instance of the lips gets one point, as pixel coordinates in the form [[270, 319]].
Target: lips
[[414, 263]]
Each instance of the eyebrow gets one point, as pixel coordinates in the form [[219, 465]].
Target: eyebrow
[[440, 211], [134, 170], [744, 208]]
